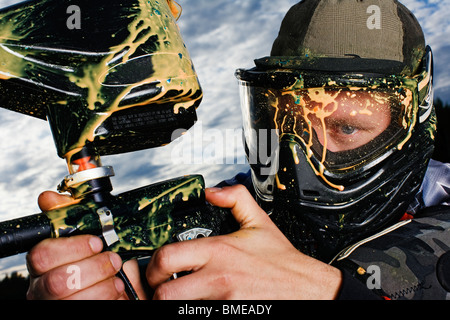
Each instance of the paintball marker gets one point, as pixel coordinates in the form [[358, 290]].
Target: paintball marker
[[110, 77]]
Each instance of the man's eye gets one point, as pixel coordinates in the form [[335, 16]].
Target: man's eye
[[348, 130]]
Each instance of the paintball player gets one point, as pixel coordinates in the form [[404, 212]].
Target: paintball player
[[349, 187]]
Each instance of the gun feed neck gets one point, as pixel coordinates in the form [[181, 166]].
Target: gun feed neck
[[88, 178], [83, 160]]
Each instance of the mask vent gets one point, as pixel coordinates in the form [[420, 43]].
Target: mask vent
[[310, 194]]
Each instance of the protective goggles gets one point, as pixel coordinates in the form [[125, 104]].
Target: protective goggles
[[343, 122]]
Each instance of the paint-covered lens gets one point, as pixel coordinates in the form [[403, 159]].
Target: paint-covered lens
[[339, 128]]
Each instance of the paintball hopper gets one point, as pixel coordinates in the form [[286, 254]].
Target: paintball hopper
[[111, 75]]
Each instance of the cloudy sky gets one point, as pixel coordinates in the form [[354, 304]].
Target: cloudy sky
[[221, 35]]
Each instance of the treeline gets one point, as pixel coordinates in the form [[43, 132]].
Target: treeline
[[14, 287]]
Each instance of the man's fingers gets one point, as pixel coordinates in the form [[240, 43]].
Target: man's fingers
[[53, 253], [192, 287], [73, 278], [176, 258], [244, 207], [193, 255], [50, 200], [109, 289], [61, 268]]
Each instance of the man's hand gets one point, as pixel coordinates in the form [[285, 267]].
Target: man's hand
[[257, 262], [50, 262]]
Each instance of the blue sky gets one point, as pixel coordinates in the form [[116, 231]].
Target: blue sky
[[221, 35]]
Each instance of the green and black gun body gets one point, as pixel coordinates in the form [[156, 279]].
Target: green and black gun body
[[133, 224]]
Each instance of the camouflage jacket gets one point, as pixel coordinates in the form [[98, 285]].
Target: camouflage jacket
[[409, 261]]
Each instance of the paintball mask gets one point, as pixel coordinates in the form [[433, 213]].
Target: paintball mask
[[338, 146]]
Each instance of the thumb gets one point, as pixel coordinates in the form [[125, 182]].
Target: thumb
[[242, 204], [50, 200]]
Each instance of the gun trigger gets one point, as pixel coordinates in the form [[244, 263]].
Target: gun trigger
[[107, 222]]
